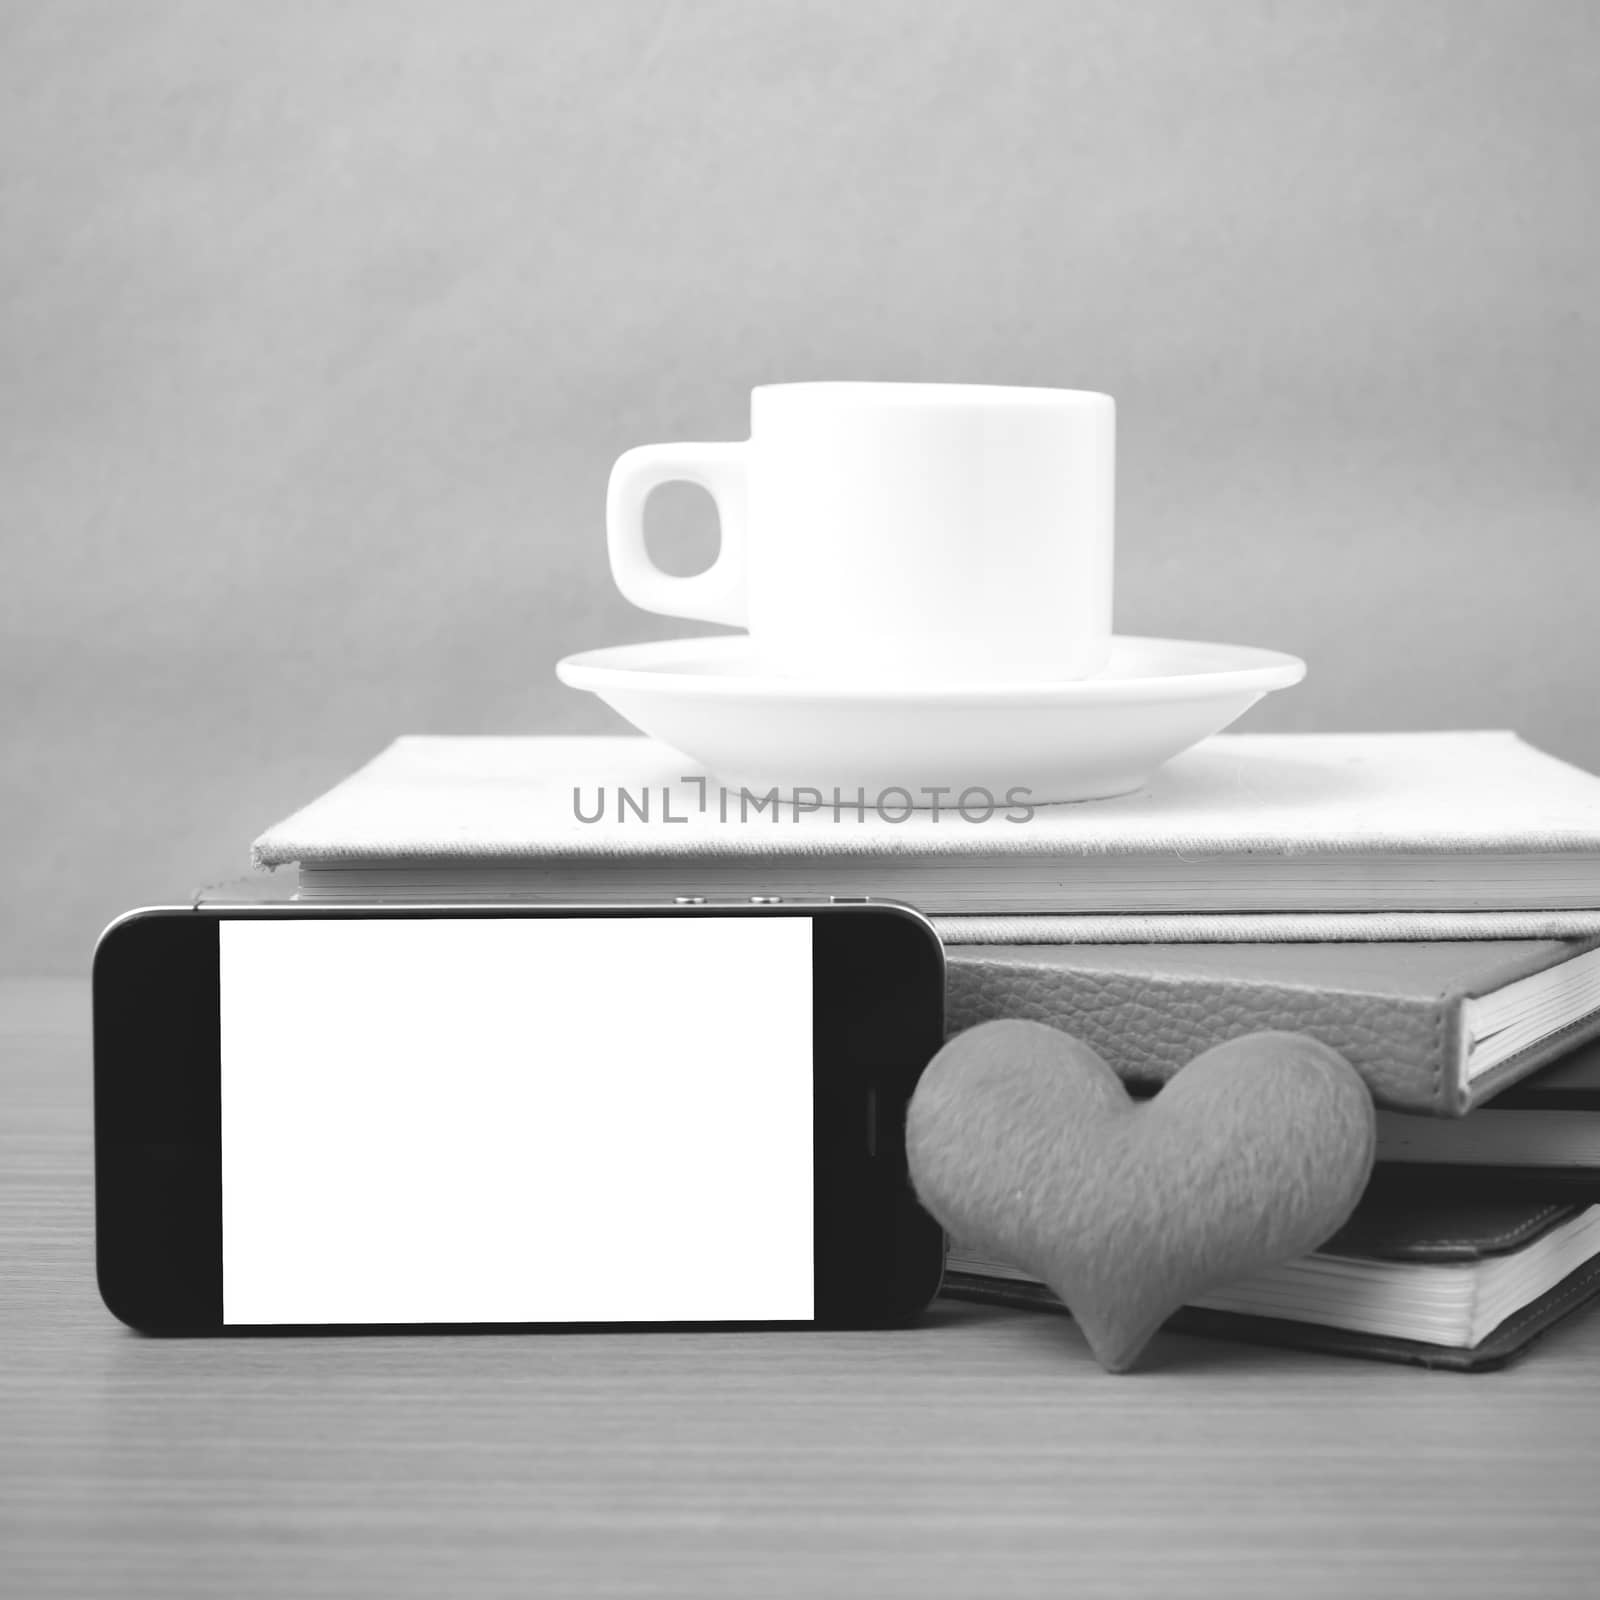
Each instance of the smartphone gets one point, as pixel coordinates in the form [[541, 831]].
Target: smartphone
[[495, 1118]]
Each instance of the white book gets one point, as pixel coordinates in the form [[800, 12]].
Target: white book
[[1426, 825]]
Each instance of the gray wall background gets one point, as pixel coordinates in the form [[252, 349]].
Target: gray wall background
[[320, 325]]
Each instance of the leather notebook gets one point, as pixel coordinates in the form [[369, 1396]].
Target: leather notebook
[[1543, 1132], [1445, 1261], [1433, 1027]]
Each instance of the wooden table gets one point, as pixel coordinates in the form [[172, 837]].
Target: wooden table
[[979, 1454]]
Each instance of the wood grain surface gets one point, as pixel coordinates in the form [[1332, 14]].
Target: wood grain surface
[[979, 1454]]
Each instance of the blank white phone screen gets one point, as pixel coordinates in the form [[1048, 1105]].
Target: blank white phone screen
[[595, 1119]]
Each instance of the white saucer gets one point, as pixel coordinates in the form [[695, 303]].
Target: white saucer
[[1080, 740]]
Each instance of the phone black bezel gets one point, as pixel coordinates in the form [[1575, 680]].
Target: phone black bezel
[[877, 1013]]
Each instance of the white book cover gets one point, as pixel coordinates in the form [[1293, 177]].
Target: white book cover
[[1283, 823]]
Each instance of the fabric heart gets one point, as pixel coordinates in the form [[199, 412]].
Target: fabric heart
[[1024, 1145]]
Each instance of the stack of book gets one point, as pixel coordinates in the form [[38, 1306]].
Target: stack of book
[[1427, 904]]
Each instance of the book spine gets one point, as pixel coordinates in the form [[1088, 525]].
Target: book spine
[[1148, 1027]]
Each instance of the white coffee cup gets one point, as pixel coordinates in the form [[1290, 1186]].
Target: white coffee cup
[[896, 532]]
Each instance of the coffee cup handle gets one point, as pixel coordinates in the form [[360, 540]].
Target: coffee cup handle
[[718, 593]]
